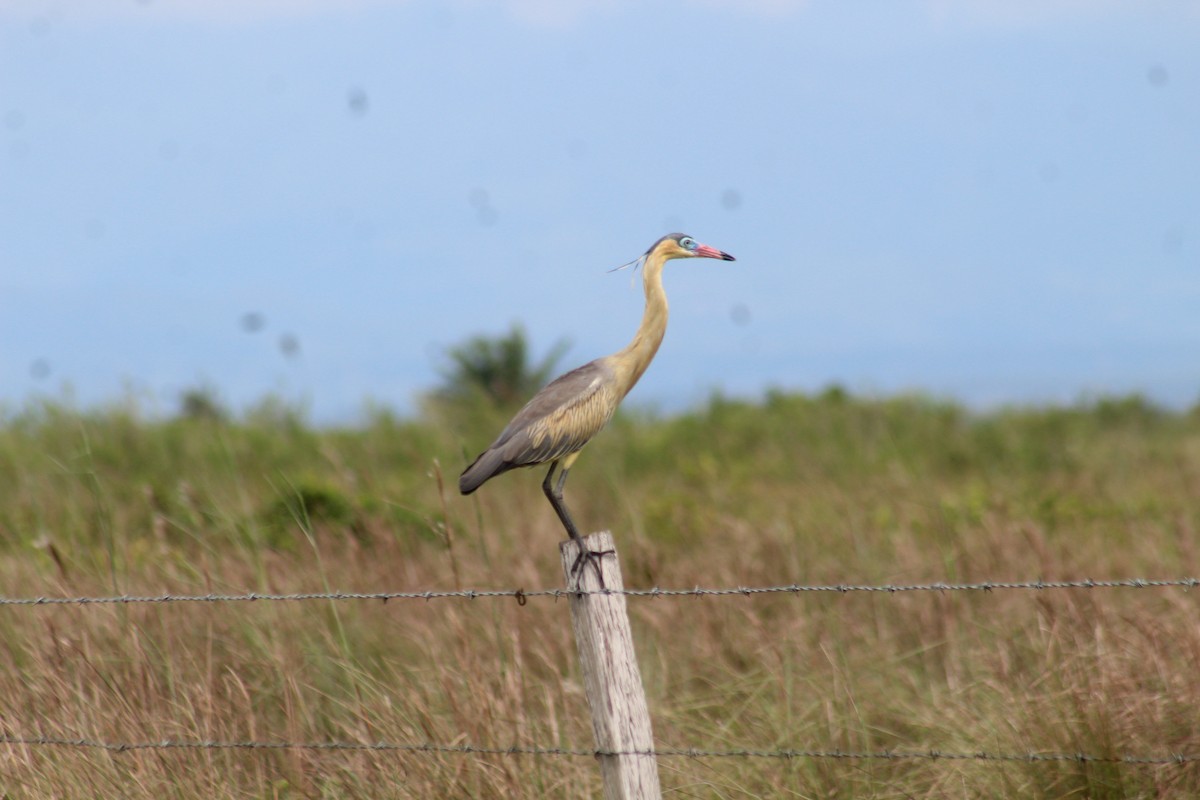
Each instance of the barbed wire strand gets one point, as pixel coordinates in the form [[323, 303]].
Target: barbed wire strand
[[523, 594], [528, 750]]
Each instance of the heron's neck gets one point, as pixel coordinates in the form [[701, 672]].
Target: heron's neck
[[632, 361]]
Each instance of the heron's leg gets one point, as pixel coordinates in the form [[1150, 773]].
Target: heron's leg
[[554, 493]]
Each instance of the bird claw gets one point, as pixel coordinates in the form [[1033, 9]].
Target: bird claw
[[593, 557]]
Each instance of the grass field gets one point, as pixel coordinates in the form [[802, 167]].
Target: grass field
[[826, 489]]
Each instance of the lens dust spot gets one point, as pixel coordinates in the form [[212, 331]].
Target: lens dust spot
[[252, 322], [357, 102], [39, 370], [289, 345], [481, 201]]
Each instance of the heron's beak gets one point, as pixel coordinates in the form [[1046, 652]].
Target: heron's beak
[[704, 251]]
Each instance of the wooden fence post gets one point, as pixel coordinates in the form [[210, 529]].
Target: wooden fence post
[[611, 679]]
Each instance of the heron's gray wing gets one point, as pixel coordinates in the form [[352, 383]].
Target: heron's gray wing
[[557, 421], [562, 417]]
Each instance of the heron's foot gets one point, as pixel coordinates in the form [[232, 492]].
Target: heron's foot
[[593, 557]]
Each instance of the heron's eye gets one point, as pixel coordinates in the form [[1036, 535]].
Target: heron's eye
[[687, 243]]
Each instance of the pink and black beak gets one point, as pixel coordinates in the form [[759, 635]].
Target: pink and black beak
[[704, 251]]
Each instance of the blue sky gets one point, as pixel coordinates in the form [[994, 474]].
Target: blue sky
[[995, 201]]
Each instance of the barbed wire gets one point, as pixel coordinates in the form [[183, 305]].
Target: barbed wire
[[522, 594], [529, 750]]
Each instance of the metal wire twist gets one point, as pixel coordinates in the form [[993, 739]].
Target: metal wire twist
[[530, 750], [523, 594]]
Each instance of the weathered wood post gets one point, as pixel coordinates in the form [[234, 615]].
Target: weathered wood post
[[611, 679]]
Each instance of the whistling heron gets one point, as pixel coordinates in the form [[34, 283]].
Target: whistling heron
[[561, 418]]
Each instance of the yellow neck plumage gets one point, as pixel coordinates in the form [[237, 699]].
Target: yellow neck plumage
[[631, 362]]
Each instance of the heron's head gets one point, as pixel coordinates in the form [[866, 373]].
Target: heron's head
[[680, 245]]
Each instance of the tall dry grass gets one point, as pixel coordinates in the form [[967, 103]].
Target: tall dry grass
[[827, 489]]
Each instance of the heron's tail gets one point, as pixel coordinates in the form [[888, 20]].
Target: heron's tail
[[487, 465]]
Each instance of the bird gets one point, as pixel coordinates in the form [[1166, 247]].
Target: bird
[[556, 424]]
